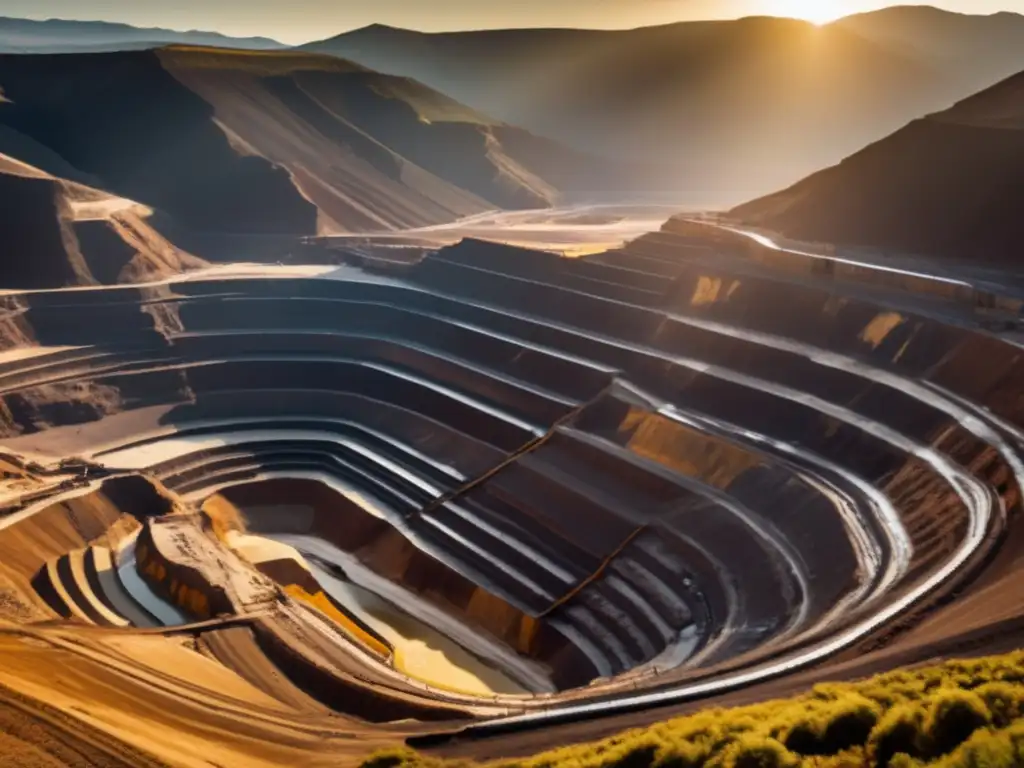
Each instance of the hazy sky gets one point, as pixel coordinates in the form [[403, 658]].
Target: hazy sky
[[296, 21]]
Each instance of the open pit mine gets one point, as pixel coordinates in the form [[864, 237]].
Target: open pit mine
[[491, 489]]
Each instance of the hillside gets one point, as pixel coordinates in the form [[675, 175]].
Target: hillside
[[981, 49], [755, 103], [272, 143], [65, 233], [64, 36], [948, 184]]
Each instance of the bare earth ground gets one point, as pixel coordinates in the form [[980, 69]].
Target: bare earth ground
[[122, 701], [118, 700]]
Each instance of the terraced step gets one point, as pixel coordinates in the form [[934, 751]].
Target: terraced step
[[716, 458]]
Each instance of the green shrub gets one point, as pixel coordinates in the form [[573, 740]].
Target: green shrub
[[401, 757], [1003, 701], [804, 738], [954, 715], [989, 749], [845, 721], [750, 751], [850, 724], [903, 760], [899, 731], [681, 754], [639, 755]]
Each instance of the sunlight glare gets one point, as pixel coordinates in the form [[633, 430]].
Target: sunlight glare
[[815, 11]]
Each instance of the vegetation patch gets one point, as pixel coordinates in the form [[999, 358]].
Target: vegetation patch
[[962, 714]]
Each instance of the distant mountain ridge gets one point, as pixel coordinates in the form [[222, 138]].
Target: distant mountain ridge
[[275, 145], [987, 48], [67, 36], [950, 184], [726, 109]]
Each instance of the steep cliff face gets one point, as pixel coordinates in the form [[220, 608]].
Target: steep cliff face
[[949, 184]]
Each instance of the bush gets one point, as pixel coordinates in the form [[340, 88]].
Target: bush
[[903, 760], [844, 722], [989, 749], [953, 717], [850, 723], [804, 738], [899, 731], [394, 758], [1003, 701], [635, 756], [750, 751], [681, 754]]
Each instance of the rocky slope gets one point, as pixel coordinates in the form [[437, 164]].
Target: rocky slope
[[58, 232], [948, 184], [273, 143]]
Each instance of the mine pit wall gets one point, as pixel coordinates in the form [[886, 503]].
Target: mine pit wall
[[299, 584], [399, 319], [703, 235], [303, 408], [456, 375], [744, 300], [361, 380], [185, 587], [859, 328], [967, 363], [15, 330], [349, 696], [390, 555], [180, 561], [116, 318], [28, 545], [971, 364]]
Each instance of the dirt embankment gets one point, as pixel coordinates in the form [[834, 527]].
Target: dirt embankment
[[385, 551], [122, 118], [63, 233], [947, 185], [48, 530]]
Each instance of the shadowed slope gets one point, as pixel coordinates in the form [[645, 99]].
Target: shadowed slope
[[123, 119], [273, 143], [948, 184], [59, 232]]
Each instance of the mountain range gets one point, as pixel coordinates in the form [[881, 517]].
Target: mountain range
[[63, 36], [127, 164], [214, 141], [724, 109]]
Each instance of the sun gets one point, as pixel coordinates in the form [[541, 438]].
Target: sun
[[815, 11]]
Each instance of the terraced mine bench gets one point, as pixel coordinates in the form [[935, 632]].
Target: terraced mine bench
[[654, 473]]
